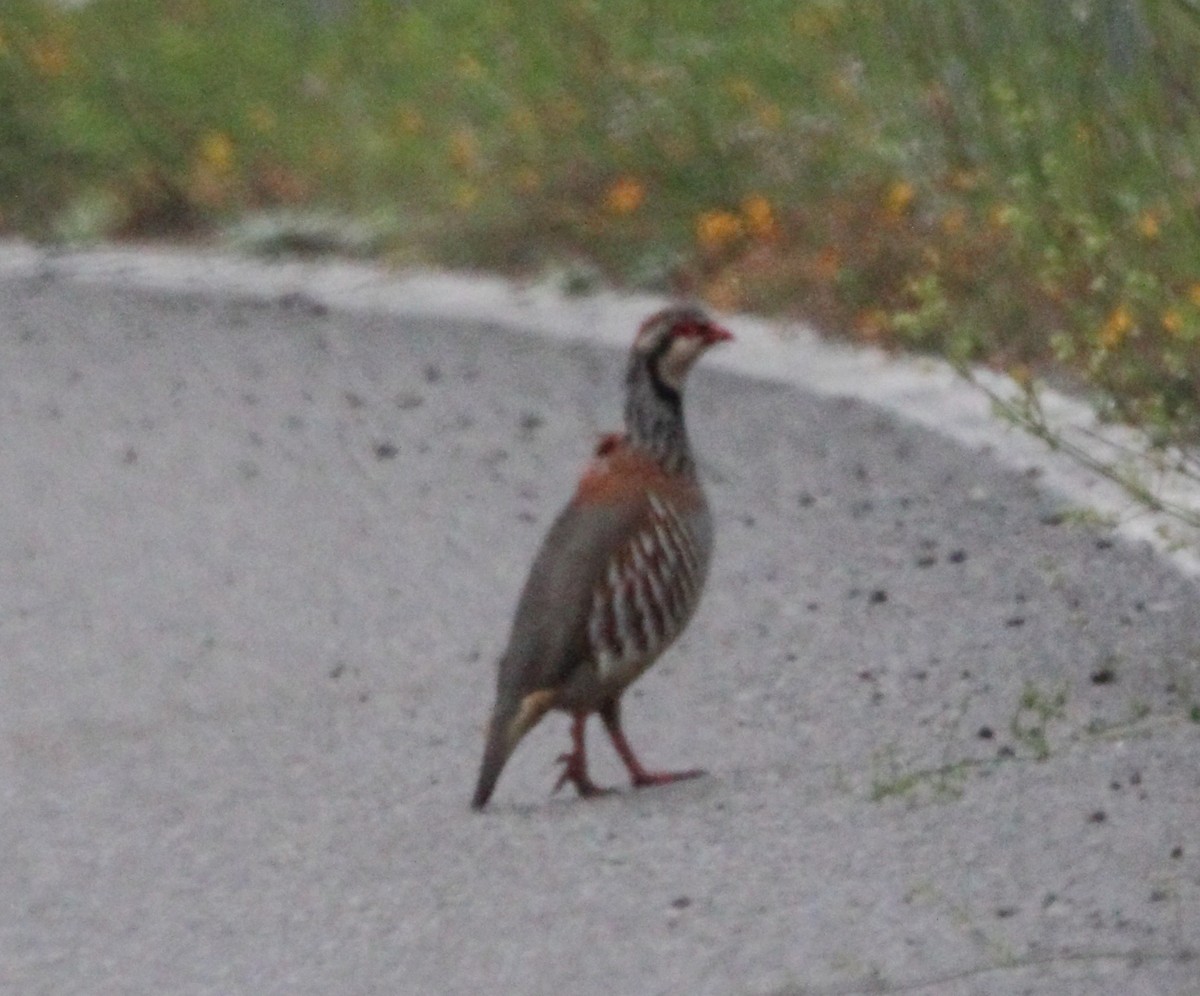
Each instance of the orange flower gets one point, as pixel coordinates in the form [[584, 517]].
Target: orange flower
[[624, 196], [716, 229], [1172, 321], [1148, 225], [760, 218], [899, 199], [1116, 327], [724, 292], [49, 57]]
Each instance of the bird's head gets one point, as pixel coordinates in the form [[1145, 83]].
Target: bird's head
[[670, 341]]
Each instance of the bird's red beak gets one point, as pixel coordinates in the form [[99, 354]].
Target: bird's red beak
[[716, 333]]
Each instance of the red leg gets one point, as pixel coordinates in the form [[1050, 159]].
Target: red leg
[[575, 763], [611, 715]]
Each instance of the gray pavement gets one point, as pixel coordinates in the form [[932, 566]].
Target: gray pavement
[[258, 555]]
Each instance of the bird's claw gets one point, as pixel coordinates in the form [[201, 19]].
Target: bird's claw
[[575, 773], [646, 779]]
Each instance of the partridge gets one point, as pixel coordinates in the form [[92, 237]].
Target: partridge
[[620, 572]]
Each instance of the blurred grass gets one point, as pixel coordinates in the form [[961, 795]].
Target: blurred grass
[[1008, 183]]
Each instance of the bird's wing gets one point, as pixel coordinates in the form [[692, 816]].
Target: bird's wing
[[549, 634]]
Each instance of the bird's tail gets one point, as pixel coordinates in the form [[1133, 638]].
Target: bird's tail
[[511, 720]]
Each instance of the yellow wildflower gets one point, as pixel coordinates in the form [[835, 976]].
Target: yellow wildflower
[[716, 229], [1002, 215], [1148, 225], [216, 151], [1116, 327], [760, 218], [1172, 321], [899, 198], [624, 196]]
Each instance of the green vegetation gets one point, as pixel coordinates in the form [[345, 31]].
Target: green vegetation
[[1037, 709], [1015, 184], [942, 784]]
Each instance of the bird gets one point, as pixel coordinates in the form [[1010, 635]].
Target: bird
[[619, 573]]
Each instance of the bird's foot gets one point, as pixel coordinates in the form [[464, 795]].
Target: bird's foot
[[575, 772], [645, 779]]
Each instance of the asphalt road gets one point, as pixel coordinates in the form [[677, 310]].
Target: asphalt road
[[258, 555]]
